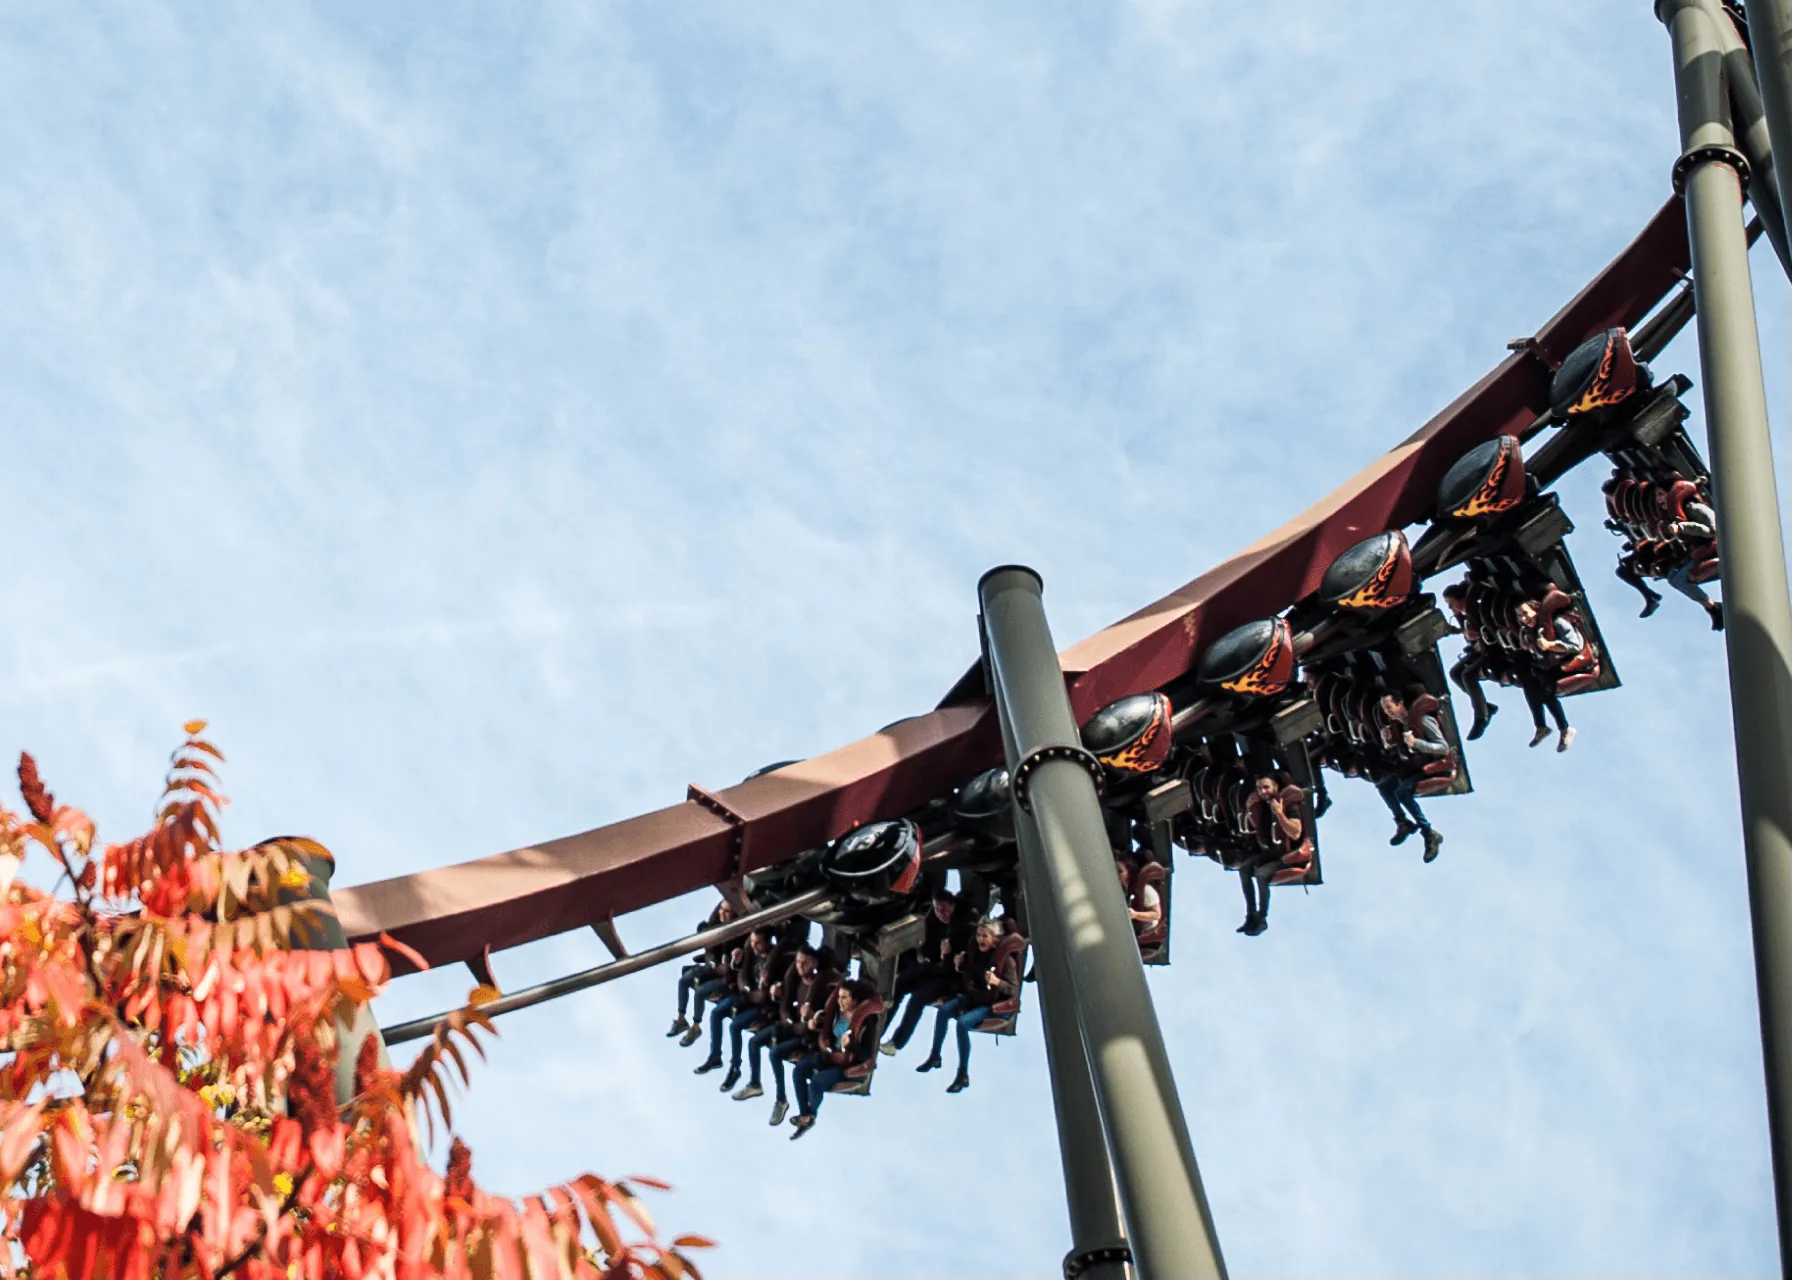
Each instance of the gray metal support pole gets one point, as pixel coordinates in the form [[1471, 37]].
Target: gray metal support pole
[[1758, 627], [1771, 44], [1750, 128], [1099, 1249], [1169, 1228], [326, 934]]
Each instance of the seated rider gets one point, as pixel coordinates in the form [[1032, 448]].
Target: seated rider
[[1538, 681], [703, 978], [751, 980], [982, 985], [1467, 671], [1281, 804], [803, 989], [1145, 906], [1424, 739], [847, 1038], [1698, 526], [929, 975]]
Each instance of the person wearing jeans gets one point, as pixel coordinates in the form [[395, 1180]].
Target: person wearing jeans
[[983, 986], [845, 1042]]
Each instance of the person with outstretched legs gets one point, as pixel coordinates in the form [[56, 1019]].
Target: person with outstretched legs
[[1425, 741]]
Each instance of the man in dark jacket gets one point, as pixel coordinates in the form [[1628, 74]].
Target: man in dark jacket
[[747, 992], [929, 975], [800, 1008]]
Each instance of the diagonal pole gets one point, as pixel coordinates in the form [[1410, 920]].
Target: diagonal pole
[[1070, 875], [1751, 553]]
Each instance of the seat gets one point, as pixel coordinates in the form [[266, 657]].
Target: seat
[[858, 1079], [1010, 947], [1581, 671], [1152, 874]]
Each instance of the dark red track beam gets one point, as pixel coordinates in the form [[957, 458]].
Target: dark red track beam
[[454, 913]]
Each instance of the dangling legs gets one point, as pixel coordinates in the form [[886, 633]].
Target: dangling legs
[[1251, 902], [966, 1022], [1680, 581], [1467, 677], [1627, 572], [1389, 786]]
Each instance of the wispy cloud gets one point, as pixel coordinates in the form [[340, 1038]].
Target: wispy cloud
[[494, 420]]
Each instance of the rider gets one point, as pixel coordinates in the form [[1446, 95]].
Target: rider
[[1282, 806], [929, 975], [702, 979], [1699, 526], [1466, 672], [982, 985], [843, 1041], [1424, 739], [749, 991], [1539, 682]]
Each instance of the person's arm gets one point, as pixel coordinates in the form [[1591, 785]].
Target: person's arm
[[1430, 741], [1291, 827]]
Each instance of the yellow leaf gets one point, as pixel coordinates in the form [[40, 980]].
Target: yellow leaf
[[483, 994]]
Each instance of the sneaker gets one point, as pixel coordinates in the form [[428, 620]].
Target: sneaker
[[1404, 827], [804, 1125], [959, 1083], [708, 1065], [1716, 612], [679, 1025], [886, 1048], [1257, 925], [779, 1109], [1565, 738], [1650, 603], [1542, 734], [1483, 722], [690, 1037], [1433, 840], [748, 1091], [730, 1081], [933, 1062]]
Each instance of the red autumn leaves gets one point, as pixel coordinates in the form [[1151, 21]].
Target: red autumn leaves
[[169, 1034]]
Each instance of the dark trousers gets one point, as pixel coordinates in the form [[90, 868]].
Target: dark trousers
[[923, 992], [961, 1012], [738, 1024], [1398, 793], [1540, 693], [721, 1010], [1466, 674]]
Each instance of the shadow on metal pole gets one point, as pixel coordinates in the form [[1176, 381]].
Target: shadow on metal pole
[[1752, 556], [1069, 873]]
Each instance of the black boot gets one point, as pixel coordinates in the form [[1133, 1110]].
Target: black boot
[[1482, 720], [1404, 827], [959, 1082], [1433, 841], [1716, 612], [933, 1061], [1651, 601]]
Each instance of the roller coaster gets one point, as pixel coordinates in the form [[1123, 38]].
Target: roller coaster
[[1204, 726]]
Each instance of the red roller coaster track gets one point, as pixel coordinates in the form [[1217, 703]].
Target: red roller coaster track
[[457, 913]]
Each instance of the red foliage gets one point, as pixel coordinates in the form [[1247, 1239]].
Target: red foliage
[[169, 1036]]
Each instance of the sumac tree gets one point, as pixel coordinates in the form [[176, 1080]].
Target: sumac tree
[[168, 1100]]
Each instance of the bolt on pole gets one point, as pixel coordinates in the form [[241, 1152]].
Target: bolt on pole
[[1070, 875], [1752, 556], [1099, 1249]]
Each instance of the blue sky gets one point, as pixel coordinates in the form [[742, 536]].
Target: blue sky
[[493, 419]]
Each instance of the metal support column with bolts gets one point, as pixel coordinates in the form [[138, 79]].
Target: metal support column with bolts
[[1099, 1249], [1771, 46], [323, 931], [1752, 555], [1069, 874], [1749, 126]]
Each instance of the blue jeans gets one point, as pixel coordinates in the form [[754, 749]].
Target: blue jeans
[[1692, 590], [1398, 793], [695, 985], [721, 1010], [778, 1050], [814, 1076], [967, 1016], [737, 1026]]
